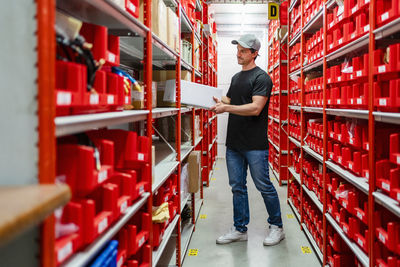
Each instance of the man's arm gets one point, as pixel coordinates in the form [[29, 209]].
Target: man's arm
[[225, 100], [251, 109]]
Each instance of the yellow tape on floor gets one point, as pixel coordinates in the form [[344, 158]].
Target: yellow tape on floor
[[193, 252], [306, 250]]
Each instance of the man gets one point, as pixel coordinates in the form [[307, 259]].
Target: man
[[247, 102]]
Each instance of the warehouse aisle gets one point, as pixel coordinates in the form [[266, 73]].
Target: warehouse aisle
[[218, 211]]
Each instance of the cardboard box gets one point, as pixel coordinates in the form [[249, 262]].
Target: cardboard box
[[164, 75], [160, 96], [186, 127], [193, 94], [173, 30], [194, 161], [159, 21]]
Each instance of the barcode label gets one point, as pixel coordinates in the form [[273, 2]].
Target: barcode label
[[367, 147], [359, 73], [339, 78], [359, 101], [340, 17], [102, 225], [382, 102], [64, 98], [123, 207], [385, 16], [350, 166], [340, 41], [382, 238], [360, 242], [94, 99], [141, 190], [330, 46], [353, 35], [111, 57], [351, 101], [110, 99], [102, 176], [381, 68], [345, 229], [64, 252], [386, 186], [359, 215], [351, 76], [398, 160]]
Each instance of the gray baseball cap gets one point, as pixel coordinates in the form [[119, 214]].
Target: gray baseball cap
[[248, 41]]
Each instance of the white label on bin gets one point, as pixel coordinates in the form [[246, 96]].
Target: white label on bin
[[94, 99], [398, 196], [382, 102], [340, 160], [382, 238], [64, 98], [166, 198], [351, 141], [367, 147], [339, 78], [360, 242], [141, 241], [102, 225], [344, 204], [337, 218], [331, 24], [64, 252], [350, 166], [330, 46], [351, 76], [385, 16], [132, 7], [340, 41], [354, 9], [359, 101], [123, 207], [102, 176], [111, 57], [140, 156], [367, 175], [110, 99], [398, 160], [338, 101], [332, 243], [126, 100], [141, 190], [359, 73], [352, 35], [386, 186], [381, 68], [359, 215], [351, 101], [330, 209], [366, 28], [345, 229], [120, 261]]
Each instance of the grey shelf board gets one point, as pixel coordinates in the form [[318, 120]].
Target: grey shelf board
[[186, 26], [296, 72], [66, 125], [276, 147], [296, 213], [198, 140], [315, 23], [294, 141], [185, 150], [186, 65], [313, 65], [313, 153], [213, 142], [292, 5], [350, 47], [313, 197], [84, 257], [330, 4], [361, 256], [199, 7], [186, 110], [102, 12], [167, 234], [162, 46], [312, 242], [388, 117], [387, 202], [387, 29], [198, 73], [273, 118], [184, 201], [350, 113], [295, 38], [211, 119], [186, 236], [295, 174], [162, 171], [312, 109], [358, 182], [298, 108], [164, 112]]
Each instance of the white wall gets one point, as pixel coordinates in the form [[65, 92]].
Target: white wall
[[227, 67]]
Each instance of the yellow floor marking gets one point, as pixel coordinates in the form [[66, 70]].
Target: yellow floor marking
[[306, 250], [193, 252]]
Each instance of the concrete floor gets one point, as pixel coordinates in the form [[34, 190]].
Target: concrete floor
[[218, 210]]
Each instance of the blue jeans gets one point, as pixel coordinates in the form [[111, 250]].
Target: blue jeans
[[257, 160]]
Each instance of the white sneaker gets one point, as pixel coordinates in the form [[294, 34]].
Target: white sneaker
[[232, 236], [275, 235]]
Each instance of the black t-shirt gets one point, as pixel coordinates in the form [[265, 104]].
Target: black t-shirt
[[248, 132]]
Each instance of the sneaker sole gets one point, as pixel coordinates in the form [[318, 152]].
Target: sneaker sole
[[229, 241], [275, 243]]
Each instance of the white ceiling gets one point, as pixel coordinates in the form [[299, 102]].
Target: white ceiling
[[239, 18]]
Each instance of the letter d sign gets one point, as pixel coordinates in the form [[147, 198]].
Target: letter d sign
[[273, 10]]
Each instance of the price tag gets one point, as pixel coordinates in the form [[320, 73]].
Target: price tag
[[102, 176], [102, 225], [123, 207], [64, 252], [385, 16], [382, 102], [64, 98], [382, 69], [94, 99], [110, 99]]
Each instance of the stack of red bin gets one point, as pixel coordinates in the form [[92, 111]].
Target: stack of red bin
[[294, 195], [349, 207], [314, 46], [294, 56], [348, 145], [315, 135], [311, 9], [105, 179], [294, 125], [347, 84], [314, 94], [349, 25], [313, 220], [295, 20], [312, 176]]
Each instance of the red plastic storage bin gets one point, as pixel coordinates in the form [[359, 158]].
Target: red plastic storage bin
[[132, 6]]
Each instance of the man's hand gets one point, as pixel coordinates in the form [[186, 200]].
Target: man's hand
[[219, 107]]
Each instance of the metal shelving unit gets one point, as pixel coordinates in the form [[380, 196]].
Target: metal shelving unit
[[167, 235], [313, 153], [295, 174], [313, 197]]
